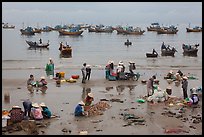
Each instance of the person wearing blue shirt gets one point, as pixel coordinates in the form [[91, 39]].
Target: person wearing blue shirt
[[79, 110], [45, 111]]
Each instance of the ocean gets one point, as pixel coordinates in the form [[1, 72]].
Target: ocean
[[97, 49]]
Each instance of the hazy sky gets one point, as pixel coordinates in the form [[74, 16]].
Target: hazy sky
[[108, 13]]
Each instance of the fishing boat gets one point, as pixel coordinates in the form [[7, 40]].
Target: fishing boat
[[37, 45], [167, 31], [36, 30], [195, 29], [151, 55], [168, 52], [27, 31], [154, 27], [6, 26], [65, 51], [127, 43], [190, 50], [107, 29], [74, 33]]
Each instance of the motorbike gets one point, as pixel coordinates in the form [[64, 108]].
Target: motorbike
[[133, 76]]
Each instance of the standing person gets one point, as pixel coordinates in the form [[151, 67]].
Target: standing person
[[111, 67], [27, 104], [131, 67], [150, 86], [185, 87], [88, 72], [40, 41], [50, 68], [83, 70], [107, 68]]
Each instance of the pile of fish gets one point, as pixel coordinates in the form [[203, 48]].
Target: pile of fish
[[97, 108]]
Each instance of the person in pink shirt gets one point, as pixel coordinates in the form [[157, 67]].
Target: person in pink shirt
[[36, 112]]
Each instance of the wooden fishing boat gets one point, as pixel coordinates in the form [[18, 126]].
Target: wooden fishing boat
[[127, 43], [63, 32], [105, 30], [91, 30], [151, 55], [154, 27], [167, 31], [195, 29], [37, 45], [6, 26], [65, 51], [190, 50], [133, 32], [168, 52], [25, 32], [36, 30]]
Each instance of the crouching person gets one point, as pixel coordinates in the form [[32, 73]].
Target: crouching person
[[45, 111], [36, 112], [194, 97], [79, 110], [16, 114]]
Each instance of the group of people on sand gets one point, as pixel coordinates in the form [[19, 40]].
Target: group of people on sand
[[120, 69], [32, 111], [166, 94]]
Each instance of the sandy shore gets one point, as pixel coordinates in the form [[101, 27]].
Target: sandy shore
[[62, 101]]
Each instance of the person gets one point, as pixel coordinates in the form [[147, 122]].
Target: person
[[36, 112], [194, 97], [163, 47], [62, 46], [88, 72], [27, 104], [45, 111], [131, 67], [31, 81], [50, 68], [185, 87], [170, 74], [79, 110], [120, 70], [83, 70], [111, 67], [150, 86], [67, 45], [42, 81], [178, 77], [168, 47], [107, 68], [180, 73], [89, 99], [154, 52], [16, 114], [40, 41]]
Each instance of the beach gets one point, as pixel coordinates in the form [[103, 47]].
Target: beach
[[63, 100]]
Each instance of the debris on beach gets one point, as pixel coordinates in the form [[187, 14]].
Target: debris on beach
[[132, 119], [98, 108]]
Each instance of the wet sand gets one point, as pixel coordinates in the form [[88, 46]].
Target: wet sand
[[62, 101]]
